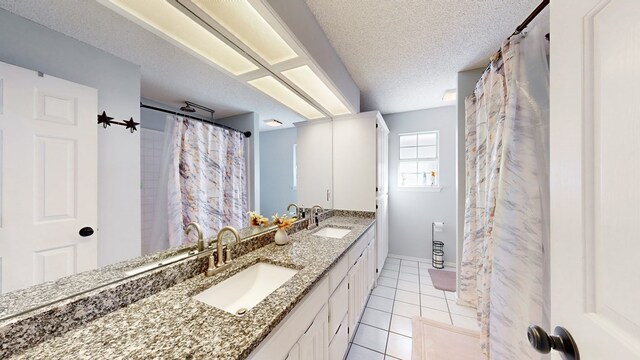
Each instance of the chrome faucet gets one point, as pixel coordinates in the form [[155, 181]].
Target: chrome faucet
[[314, 220], [222, 263], [200, 244], [297, 209]]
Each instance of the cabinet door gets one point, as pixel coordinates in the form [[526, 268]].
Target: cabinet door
[[354, 163], [371, 270], [353, 297], [294, 353], [382, 231], [314, 344], [314, 163], [340, 342]]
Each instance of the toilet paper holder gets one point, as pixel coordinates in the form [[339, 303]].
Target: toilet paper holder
[[437, 252]]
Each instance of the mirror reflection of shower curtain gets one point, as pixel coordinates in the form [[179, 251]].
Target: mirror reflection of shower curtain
[[504, 268], [205, 172]]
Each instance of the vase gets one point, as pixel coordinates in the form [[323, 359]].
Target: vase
[[255, 229], [281, 237]]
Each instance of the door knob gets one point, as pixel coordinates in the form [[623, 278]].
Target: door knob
[[561, 341], [86, 231]]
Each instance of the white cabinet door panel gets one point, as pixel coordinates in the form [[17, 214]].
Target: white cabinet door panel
[[314, 165]]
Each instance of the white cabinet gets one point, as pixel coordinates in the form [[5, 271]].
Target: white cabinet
[[382, 231], [314, 344], [361, 280], [314, 163], [294, 353], [340, 343]]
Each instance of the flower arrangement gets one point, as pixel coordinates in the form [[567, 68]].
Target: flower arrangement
[[282, 222], [256, 219]]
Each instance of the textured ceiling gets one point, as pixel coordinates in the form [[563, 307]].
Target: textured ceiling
[[169, 75], [404, 54]]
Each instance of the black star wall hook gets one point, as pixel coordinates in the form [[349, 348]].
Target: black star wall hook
[[107, 121]]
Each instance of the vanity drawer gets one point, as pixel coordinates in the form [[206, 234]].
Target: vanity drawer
[[338, 306], [337, 273], [358, 248]]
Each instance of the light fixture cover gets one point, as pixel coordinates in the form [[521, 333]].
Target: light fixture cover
[[450, 95], [272, 87], [273, 122], [307, 80], [172, 23], [244, 22]]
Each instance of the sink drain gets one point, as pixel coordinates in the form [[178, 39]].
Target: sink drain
[[241, 311]]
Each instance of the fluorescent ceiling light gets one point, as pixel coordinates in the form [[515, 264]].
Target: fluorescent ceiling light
[[304, 78], [272, 87], [273, 122], [245, 23], [173, 23], [450, 95]]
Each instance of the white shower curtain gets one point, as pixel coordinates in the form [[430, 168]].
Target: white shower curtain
[[504, 270], [206, 180]]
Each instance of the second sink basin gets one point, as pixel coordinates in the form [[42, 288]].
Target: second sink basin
[[245, 289], [332, 232]]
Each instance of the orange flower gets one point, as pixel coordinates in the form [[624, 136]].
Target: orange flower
[[282, 222]]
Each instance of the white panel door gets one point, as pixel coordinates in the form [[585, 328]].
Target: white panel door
[[314, 344], [314, 165], [48, 177], [595, 172], [354, 163], [382, 231]]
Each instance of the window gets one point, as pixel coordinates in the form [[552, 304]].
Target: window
[[418, 166]]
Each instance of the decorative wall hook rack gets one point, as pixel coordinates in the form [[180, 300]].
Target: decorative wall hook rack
[[106, 121]]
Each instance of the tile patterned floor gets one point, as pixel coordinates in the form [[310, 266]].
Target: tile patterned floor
[[404, 290]]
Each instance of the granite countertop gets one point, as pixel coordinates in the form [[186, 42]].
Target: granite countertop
[[172, 325]]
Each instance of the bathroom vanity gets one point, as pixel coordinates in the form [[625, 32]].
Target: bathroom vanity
[[328, 273]]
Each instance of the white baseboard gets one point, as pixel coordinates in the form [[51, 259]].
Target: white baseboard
[[451, 265]]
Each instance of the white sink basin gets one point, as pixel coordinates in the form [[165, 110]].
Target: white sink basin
[[336, 233], [158, 263], [245, 289]]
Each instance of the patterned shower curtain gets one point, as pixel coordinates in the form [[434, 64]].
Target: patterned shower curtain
[[207, 180], [504, 269]]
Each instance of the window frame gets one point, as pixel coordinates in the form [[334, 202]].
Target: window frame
[[417, 159]]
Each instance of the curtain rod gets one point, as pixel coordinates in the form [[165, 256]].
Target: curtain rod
[[531, 16], [246, 133]]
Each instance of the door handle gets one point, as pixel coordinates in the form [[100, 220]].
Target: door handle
[[561, 341], [86, 231]]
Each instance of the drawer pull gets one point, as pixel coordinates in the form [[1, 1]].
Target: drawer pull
[[338, 329], [309, 327]]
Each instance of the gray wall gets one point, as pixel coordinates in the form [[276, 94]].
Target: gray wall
[[411, 212], [466, 84], [249, 122], [276, 163], [29, 45]]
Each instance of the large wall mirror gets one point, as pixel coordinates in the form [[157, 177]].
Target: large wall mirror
[[84, 204]]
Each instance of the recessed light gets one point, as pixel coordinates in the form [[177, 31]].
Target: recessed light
[[450, 95], [244, 22], [274, 88], [165, 20], [273, 122], [307, 80]]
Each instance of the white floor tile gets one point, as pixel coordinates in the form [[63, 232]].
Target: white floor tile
[[409, 263], [461, 310], [357, 352], [436, 315], [392, 267], [392, 258], [401, 325], [408, 297], [380, 303], [371, 337], [377, 318], [426, 280], [465, 322], [399, 346], [434, 302], [385, 281], [430, 290], [408, 286], [384, 291], [409, 277], [451, 295], [389, 274], [408, 270], [405, 309], [387, 357]]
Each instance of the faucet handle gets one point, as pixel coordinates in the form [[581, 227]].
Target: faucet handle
[[227, 255]]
